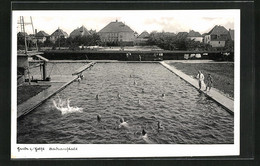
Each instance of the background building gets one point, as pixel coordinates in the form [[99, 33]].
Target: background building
[[117, 33], [231, 33], [41, 36], [142, 38], [217, 36], [59, 33], [196, 36], [82, 31]]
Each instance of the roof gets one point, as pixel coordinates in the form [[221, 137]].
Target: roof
[[92, 31], [82, 31], [115, 27], [231, 33], [59, 32], [192, 33], [42, 34], [217, 30], [144, 34], [169, 33], [182, 34], [22, 34], [204, 34]]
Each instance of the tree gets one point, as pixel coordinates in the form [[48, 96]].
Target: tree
[[47, 43], [170, 41], [229, 46]]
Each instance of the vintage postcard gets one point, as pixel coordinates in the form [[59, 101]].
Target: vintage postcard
[[125, 83]]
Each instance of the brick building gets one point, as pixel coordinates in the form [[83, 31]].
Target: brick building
[[118, 33]]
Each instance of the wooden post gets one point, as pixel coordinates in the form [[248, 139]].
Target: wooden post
[[44, 70]]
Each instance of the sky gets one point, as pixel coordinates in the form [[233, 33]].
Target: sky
[[138, 20]]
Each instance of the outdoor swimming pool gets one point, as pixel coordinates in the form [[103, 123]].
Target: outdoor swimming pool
[[133, 91]]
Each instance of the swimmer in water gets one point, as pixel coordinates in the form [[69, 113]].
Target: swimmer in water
[[98, 118], [81, 76], [144, 133], [118, 96], [122, 120], [142, 90], [97, 96], [163, 95], [78, 79], [160, 127], [135, 83], [123, 123]]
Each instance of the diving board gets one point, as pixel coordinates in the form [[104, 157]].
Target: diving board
[[80, 70], [42, 58]]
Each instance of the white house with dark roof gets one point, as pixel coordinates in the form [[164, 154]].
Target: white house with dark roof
[[142, 38], [41, 36], [59, 33], [196, 36], [82, 31], [117, 32], [217, 36]]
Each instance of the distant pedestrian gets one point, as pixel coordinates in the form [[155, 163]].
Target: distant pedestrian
[[209, 82], [140, 58], [200, 78]]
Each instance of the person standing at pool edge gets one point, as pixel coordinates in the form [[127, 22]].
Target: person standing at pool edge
[[209, 82], [200, 77]]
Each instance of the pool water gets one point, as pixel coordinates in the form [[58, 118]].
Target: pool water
[[142, 94]]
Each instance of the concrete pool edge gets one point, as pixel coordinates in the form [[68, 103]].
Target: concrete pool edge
[[226, 102]]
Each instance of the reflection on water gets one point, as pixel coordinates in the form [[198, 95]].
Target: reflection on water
[[141, 94]]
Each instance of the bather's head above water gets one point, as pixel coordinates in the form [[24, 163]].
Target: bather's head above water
[[98, 117], [122, 120], [143, 132]]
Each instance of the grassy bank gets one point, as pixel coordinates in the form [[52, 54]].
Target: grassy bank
[[25, 92], [222, 73]]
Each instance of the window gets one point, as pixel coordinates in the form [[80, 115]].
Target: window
[[213, 37]]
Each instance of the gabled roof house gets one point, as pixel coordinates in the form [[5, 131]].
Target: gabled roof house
[[59, 33], [217, 36], [117, 32], [41, 36], [196, 36], [82, 31]]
